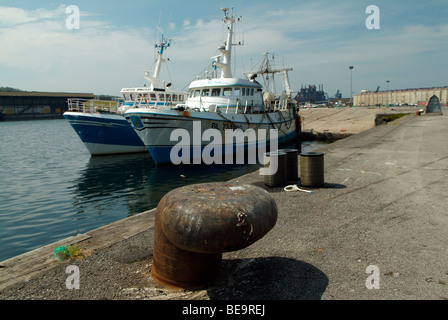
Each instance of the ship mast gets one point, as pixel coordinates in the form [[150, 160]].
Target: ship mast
[[226, 48], [154, 79]]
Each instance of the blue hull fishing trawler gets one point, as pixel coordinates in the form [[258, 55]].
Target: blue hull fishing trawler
[[102, 127], [214, 105]]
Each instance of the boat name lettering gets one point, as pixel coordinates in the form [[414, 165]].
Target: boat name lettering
[[225, 126], [231, 126]]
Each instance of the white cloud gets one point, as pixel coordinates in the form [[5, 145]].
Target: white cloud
[[10, 16], [321, 40], [44, 55], [39, 53], [283, 32]]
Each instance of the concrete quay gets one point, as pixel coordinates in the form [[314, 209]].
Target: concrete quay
[[377, 230], [336, 123]]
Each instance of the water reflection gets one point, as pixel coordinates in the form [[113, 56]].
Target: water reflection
[[135, 183], [130, 184]]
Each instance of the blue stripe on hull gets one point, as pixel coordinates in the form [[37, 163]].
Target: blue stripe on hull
[[161, 155], [104, 130]]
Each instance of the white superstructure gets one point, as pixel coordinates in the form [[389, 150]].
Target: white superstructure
[[220, 103]]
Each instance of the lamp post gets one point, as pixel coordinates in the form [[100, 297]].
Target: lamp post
[[387, 81], [351, 85]]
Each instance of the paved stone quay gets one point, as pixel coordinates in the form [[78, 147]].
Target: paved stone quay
[[343, 122], [376, 230]]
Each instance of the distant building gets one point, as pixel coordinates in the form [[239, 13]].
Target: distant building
[[416, 97], [26, 105], [311, 94]]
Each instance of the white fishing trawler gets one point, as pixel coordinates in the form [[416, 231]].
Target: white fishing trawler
[[102, 127], [215, 105]]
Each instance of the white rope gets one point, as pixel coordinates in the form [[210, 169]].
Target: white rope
[[294, 187]]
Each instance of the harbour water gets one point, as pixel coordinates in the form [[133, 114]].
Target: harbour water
[[51, 188]]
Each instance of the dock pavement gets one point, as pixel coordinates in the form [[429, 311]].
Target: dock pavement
[[376, 230], [336, 123]]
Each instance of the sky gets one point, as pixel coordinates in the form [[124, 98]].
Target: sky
[[40, 50]]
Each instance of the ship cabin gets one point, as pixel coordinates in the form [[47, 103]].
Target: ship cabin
[[229, 95], [151, 98]]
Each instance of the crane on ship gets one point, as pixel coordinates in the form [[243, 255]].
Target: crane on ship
[[268, 73]]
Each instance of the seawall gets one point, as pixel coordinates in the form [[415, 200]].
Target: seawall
[[330, 124]]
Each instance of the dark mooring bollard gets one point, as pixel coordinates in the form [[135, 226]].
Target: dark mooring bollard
[[312, 169], [195, 224], [292, 164], [276, 176]]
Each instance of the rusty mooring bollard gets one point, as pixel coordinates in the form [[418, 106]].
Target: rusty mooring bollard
[[195, 224]]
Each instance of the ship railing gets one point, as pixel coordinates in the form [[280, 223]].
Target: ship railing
[[276, 105], [93, 105], [146, 102], [283, 103]]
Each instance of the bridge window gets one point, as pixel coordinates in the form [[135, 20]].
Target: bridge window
[[227, 92], [216, 92]]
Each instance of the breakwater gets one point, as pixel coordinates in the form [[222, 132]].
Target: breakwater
[[330, 124]]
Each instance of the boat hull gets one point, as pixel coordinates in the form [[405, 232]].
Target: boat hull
[[186, 134], [105, 134], [162, 154]]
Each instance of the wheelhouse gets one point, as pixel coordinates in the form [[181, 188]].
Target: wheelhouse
[[229, 95], [144, 98]]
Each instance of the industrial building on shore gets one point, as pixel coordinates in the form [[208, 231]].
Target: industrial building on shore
[[31, 105], [411, 97]]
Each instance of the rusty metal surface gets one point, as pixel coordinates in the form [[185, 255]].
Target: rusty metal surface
[[216, 217], [181, 268], [195, 224]]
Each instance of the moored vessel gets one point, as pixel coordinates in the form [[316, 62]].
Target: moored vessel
[[102, 127], [221, 116]]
